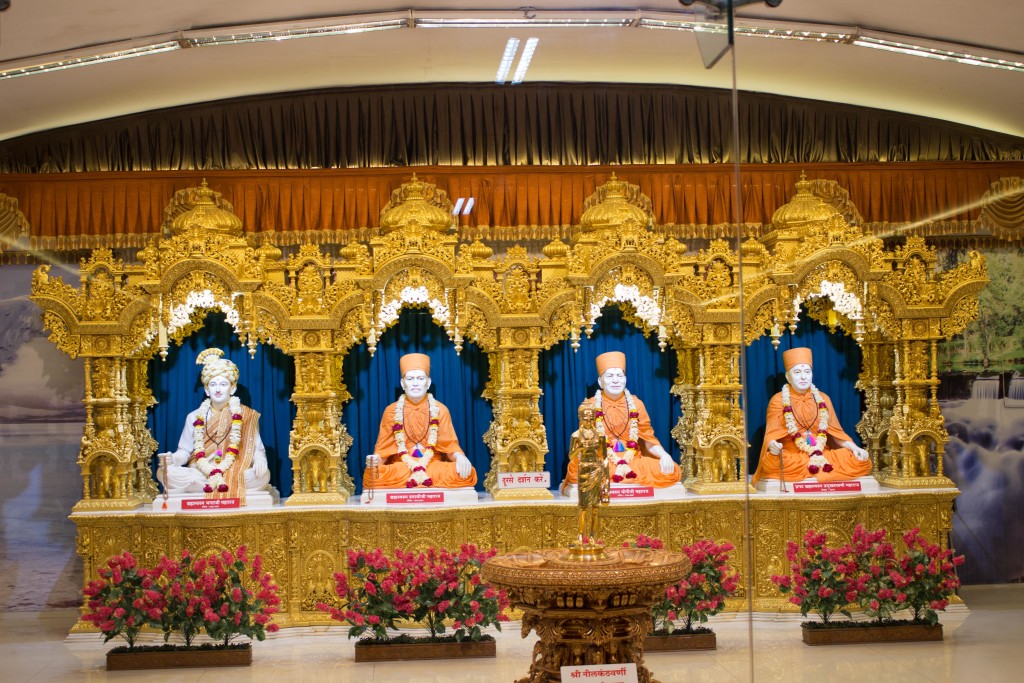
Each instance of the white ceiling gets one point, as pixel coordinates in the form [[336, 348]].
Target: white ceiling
[[38, 31]]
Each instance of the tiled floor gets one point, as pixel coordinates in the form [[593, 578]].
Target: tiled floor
[[983, 644]]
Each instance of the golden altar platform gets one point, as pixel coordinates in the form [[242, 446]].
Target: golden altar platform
[[303, 546]]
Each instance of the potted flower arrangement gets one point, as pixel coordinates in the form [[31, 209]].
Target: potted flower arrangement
[[678, 618], [437, 588], [867, 573], [183, 598]]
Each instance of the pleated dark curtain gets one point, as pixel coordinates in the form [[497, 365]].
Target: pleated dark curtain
[[568, 377], [837, 362], [457, 381], [489, 125], [266, 383]]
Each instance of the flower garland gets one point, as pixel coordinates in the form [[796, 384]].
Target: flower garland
[[213, 468], [622, 459], [417, 462], [813, 446]]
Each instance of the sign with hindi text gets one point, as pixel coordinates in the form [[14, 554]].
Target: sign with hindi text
[[608, 673], [415, 497], [631, 492], [827, 487], [209, 503], [524, 480]]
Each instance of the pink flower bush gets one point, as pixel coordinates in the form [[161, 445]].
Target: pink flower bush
[[700, 595], [431, 588], [868, 573], [123, 600], [217, 594]]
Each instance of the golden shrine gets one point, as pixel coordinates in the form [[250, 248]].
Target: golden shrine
[[706, 303]]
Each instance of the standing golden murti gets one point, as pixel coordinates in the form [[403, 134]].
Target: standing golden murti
[[594, 485]]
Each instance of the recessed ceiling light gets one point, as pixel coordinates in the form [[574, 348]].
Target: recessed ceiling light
[[507, 57], [524, 60]]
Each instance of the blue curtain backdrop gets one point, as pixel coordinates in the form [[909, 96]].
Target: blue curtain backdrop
[[567, 378], [265, 384], [457, 381], [837, 361]]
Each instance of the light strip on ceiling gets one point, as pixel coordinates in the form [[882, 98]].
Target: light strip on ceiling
[[90, 59], [690, 21], [507, 57], [937, 53], [274, 35], [524, 60]]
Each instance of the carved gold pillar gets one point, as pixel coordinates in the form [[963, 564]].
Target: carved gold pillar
[[876, 381], [917, 432], [718, 435], [109, 456], [140, 400], [319, 442], [685, 388], [517, 438]]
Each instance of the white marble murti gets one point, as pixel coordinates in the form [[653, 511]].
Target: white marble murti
[[253, 499], [868, 484], [419, 497], [621, 493]]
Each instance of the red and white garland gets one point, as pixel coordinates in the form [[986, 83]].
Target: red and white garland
[[812, 445], [213, 466], [417, 464], [621, 459]]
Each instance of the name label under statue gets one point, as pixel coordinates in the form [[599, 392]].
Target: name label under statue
[[524, 480], [415, 497], [630, 492], [209, 504], [826, 487], [609, 673]]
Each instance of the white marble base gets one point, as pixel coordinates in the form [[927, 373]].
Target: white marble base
[[674, 492], [253, 499], [867, 485], [451, 497]]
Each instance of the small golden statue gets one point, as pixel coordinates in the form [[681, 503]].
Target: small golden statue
[[594, 485]]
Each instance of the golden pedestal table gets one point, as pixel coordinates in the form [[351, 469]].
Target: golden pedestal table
[[593, 611]]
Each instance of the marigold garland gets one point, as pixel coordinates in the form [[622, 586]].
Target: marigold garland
[[417, 464], [621, 459], [213, 467], [813, 446]]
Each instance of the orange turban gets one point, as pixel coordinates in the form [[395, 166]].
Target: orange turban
[[414, 361], [796, 357], [612, 359]]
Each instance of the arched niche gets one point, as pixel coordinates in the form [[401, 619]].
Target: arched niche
[[837, 367], [266, 383], [458, 380], [568, 376]]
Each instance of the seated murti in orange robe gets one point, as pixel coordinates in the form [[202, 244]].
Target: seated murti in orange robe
[[393, 473], [796, 464], [615, 422]]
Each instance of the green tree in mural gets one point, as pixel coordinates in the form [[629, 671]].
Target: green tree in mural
[[993, 339]]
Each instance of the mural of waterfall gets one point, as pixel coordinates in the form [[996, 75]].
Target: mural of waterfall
[[985, 388], [985, 457]]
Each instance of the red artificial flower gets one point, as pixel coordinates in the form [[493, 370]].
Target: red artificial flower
[[223, 488], [813, 469], [208, 489], [827, 467]]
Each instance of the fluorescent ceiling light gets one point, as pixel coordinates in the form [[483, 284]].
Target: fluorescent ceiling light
[[507, 57], [524, 60]]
